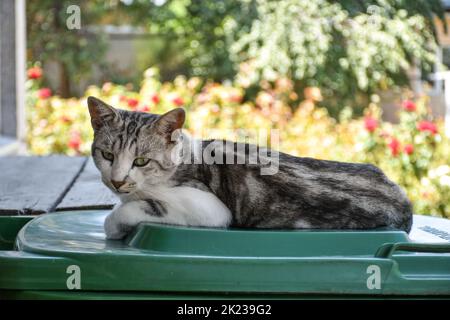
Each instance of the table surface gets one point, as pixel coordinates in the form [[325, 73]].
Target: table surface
[[36, 185]]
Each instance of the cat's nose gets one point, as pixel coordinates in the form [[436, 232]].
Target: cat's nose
[[117, 184]]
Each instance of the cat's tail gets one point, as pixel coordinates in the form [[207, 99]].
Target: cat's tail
[[407, 217], [403, 218]]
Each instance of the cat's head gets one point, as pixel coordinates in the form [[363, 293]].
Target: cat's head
[[133, 149]]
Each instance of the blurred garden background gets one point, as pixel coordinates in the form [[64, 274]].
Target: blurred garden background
[[342, 80]]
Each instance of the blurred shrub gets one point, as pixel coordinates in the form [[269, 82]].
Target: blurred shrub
[[413, 152], [349, 49]]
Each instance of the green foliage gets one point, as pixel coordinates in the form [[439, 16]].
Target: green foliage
[[345, 47], [49, 39], [199, 29], [350, 49], [77, 51]]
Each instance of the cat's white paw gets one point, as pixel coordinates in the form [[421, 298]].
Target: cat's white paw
[[123, 219], [113, 227]]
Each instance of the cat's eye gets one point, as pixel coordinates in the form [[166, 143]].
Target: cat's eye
[[108, 155], [140, 162]]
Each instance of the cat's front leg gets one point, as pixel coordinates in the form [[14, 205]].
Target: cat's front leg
[[124, 218]]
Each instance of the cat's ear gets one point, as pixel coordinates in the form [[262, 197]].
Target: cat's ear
[[100, 112], [170, 121]]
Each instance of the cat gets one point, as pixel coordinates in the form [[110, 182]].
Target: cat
[[142, 158]]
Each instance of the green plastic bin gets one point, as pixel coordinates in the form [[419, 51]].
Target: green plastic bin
[[65, 256]]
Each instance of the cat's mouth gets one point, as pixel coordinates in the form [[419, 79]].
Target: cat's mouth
[[123, 192], [126, 189]]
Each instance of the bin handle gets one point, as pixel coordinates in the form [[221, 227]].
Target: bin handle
[[387, 250]]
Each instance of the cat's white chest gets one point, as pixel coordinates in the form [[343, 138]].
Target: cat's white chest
[[192, 207]]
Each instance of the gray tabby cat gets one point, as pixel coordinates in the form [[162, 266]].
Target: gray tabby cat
[[142, 158]]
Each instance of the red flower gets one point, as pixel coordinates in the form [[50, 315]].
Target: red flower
[[409, 105], [408, 149], [34, 73], [74, 141], [370, 124], [178, 101], [394, 145], [155, 99], [132, 102], [44, 93], [427, 126], [144, 108], [65, 119], [236, 98]]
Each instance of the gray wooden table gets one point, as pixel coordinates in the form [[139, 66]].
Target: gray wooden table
[[35, 185]]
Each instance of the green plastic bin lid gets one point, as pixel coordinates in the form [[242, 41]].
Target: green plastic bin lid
[[68, 251]]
